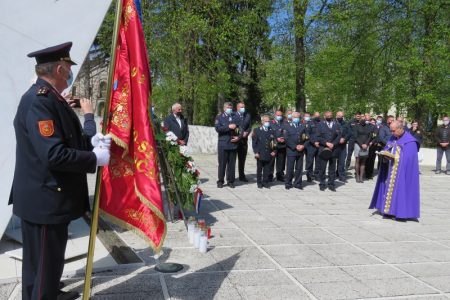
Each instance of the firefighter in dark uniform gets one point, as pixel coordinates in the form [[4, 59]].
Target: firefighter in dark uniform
[[242, 147], [373, 148], [227, 126], [347, 133], [329, 134], [295, 136], [53, 155], [264, 147], [279, 163], [311, 149], [317, 119], [351, 142]]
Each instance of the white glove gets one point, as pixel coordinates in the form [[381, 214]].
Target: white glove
[[102, 155], [102, 141]]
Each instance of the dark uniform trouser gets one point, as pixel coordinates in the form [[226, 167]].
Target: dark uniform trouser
[[242, 155], [370, 161], [294, 162], [227, 161], [311, 153], [331, 171], [279, 162], [341, 161], [351, 146], [262, 171], [43, 259]]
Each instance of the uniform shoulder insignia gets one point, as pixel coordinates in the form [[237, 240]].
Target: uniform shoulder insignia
[[46, 128], [42, 91]]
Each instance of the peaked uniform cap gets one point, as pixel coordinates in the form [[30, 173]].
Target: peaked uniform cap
[[53, 54]]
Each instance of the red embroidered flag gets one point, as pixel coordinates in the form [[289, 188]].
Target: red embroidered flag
[[130, 193]]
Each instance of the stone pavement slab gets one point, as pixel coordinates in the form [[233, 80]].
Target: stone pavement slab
[[296, 244]]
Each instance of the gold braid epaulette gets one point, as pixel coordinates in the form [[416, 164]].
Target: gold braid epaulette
[[393, 178]]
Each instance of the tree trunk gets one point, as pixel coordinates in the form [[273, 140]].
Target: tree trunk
[[300, 7]]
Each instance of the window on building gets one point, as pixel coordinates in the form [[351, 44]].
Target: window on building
[[102, 91]]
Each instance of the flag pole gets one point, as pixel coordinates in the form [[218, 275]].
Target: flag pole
[[95, 209]]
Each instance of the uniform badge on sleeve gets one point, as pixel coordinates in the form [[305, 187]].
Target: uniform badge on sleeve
[[46, 128]]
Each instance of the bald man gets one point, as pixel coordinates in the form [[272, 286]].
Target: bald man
[[397, 192]]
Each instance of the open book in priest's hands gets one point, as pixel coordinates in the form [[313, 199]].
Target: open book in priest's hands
[[386, 154]]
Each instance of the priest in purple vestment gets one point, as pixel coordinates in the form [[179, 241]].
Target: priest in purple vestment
[[397, 190]]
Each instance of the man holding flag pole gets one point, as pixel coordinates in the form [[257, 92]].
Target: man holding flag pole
[[128, 191], [53, 156]]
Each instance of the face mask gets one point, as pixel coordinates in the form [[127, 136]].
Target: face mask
[[69, 80], [228, 111], [279, 118], [317, 119], [340, 120], [379, 122], [446, 123], [328, 119], [307, 119], [242, 110], [266, 124], [367, 122], [289, 116], [296, 120]]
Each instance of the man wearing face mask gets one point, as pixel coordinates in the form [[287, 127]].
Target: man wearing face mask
[[373, 148], [288, 116], [311, 149], [264, 147], [317, 120], [351, 142], [242, 147], [178, 124], [346, 135], [443, 140], [329, 134], [227, 126], [53, 156], [295, 136], [383, 136], [279, 163]]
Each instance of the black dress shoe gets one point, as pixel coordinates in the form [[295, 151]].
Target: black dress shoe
[[299, 187], [67, 295], [243, 179], [322, 188], [61, 285], [219, 185], [231, 185], [309, 178], [287, 187], [280, 178], [266, 185], [260, 186], [332, 188]]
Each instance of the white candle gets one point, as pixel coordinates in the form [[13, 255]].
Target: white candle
[[203, 247], [191, 231], [197, 237]]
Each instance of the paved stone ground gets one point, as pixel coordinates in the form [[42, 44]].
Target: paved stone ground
[[278, 244]]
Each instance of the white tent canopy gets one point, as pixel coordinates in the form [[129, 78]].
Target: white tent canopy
[[26, 26]]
